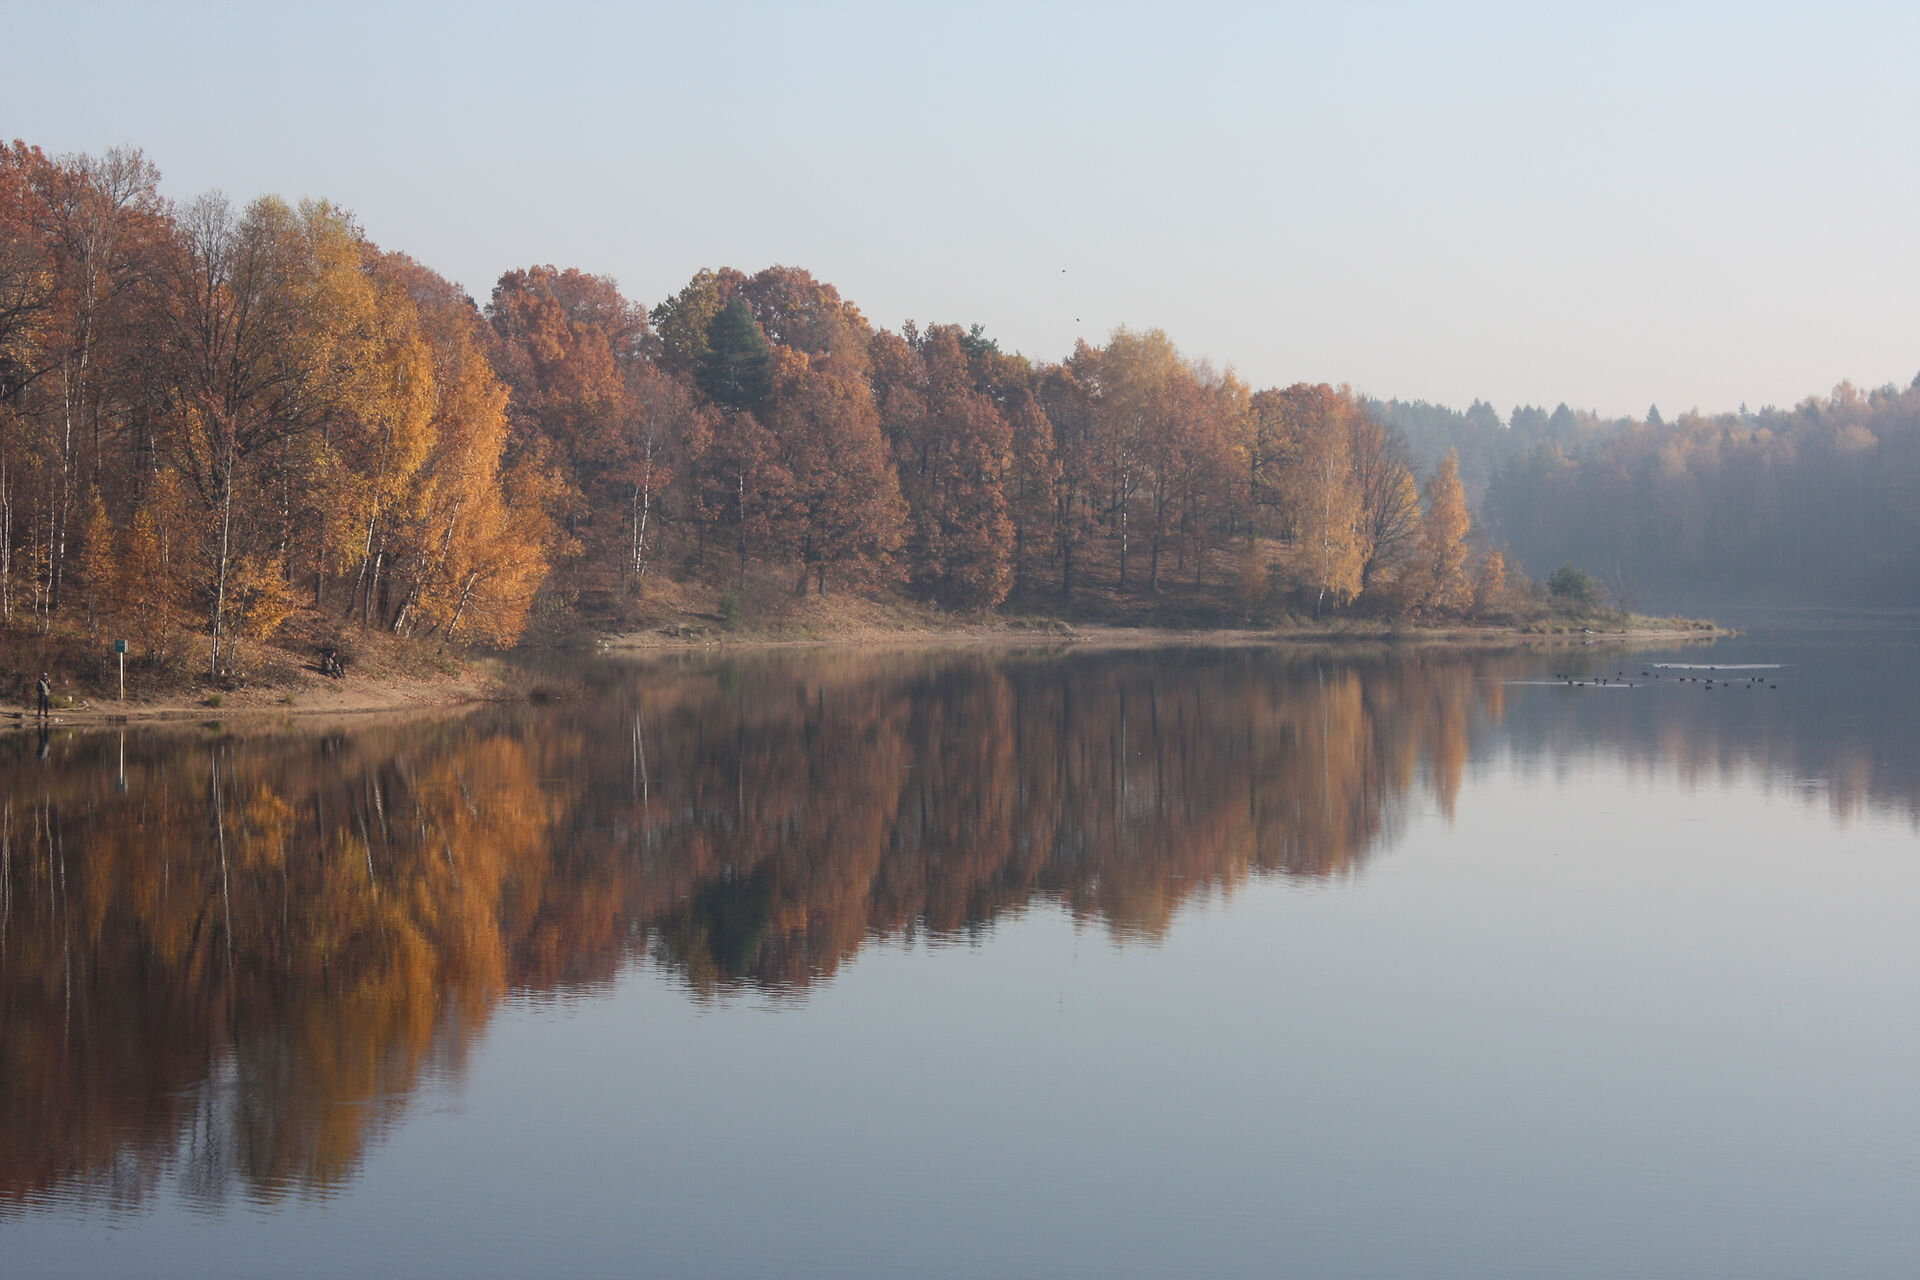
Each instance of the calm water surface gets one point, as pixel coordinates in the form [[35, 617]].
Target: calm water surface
[[1235, 962]]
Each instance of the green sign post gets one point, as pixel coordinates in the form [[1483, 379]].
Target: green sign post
[[120, 652]]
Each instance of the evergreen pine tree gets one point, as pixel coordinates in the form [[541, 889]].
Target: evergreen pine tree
[[736, 368]]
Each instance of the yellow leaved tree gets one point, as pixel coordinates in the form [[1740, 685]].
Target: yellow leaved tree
[[1322, 494], [1440, 583]]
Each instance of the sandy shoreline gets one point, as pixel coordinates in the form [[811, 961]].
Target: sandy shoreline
[[1115, 637], [312, 695]]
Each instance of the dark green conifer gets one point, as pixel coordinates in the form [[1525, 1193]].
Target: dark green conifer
[[734, 370]]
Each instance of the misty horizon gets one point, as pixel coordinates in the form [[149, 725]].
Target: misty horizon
[[1682, 207]]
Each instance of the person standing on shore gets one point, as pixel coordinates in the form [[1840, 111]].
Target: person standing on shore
[[46, 697]]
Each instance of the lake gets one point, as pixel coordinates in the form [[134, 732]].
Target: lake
[[1225, 962]]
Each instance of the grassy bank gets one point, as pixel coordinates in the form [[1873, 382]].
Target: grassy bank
[[282, 676], [287, 675], [698, 632], [765, 610]]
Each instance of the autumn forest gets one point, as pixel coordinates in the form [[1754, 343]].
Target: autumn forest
[[212, 417]]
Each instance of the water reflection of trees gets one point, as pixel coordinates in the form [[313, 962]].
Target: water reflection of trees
[[821, 803], [230, 960], [1835, 731]]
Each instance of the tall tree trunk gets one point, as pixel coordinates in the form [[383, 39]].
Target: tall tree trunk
[[740, 519], [429, 571], [633, 518], [1020, 555], [6, 544], [643, 511], [1159, 534], [1066, 547], [218, 629], [466, 593], [284, 548], [357, 600], [45, 602], [371, 608], [57, 527]]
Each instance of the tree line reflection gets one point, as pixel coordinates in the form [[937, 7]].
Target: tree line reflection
[[228, 960]]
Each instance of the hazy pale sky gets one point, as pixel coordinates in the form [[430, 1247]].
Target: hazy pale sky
[[1611, 206]]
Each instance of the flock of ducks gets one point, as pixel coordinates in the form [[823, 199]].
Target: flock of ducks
[[1619, 678]]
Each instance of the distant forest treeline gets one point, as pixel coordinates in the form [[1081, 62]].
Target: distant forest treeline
[[1817, 504]]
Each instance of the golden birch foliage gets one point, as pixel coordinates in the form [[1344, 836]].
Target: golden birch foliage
[[396, 414], [1330, 524], [468, 430], [97, 567], [1490, 585], [332, 518], [1442, 557], [154, 573], [380, 431], [1268, 446], [1135, 384], [1207, 483], [263, 347], [1389, 495], [1233, 400], [142, 583], [260, 597], [1395, 528], [472, 542], [1323, 495], [1252, 583], [505, 557]]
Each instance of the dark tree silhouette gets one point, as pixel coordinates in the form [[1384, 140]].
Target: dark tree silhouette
[[735, 369]]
